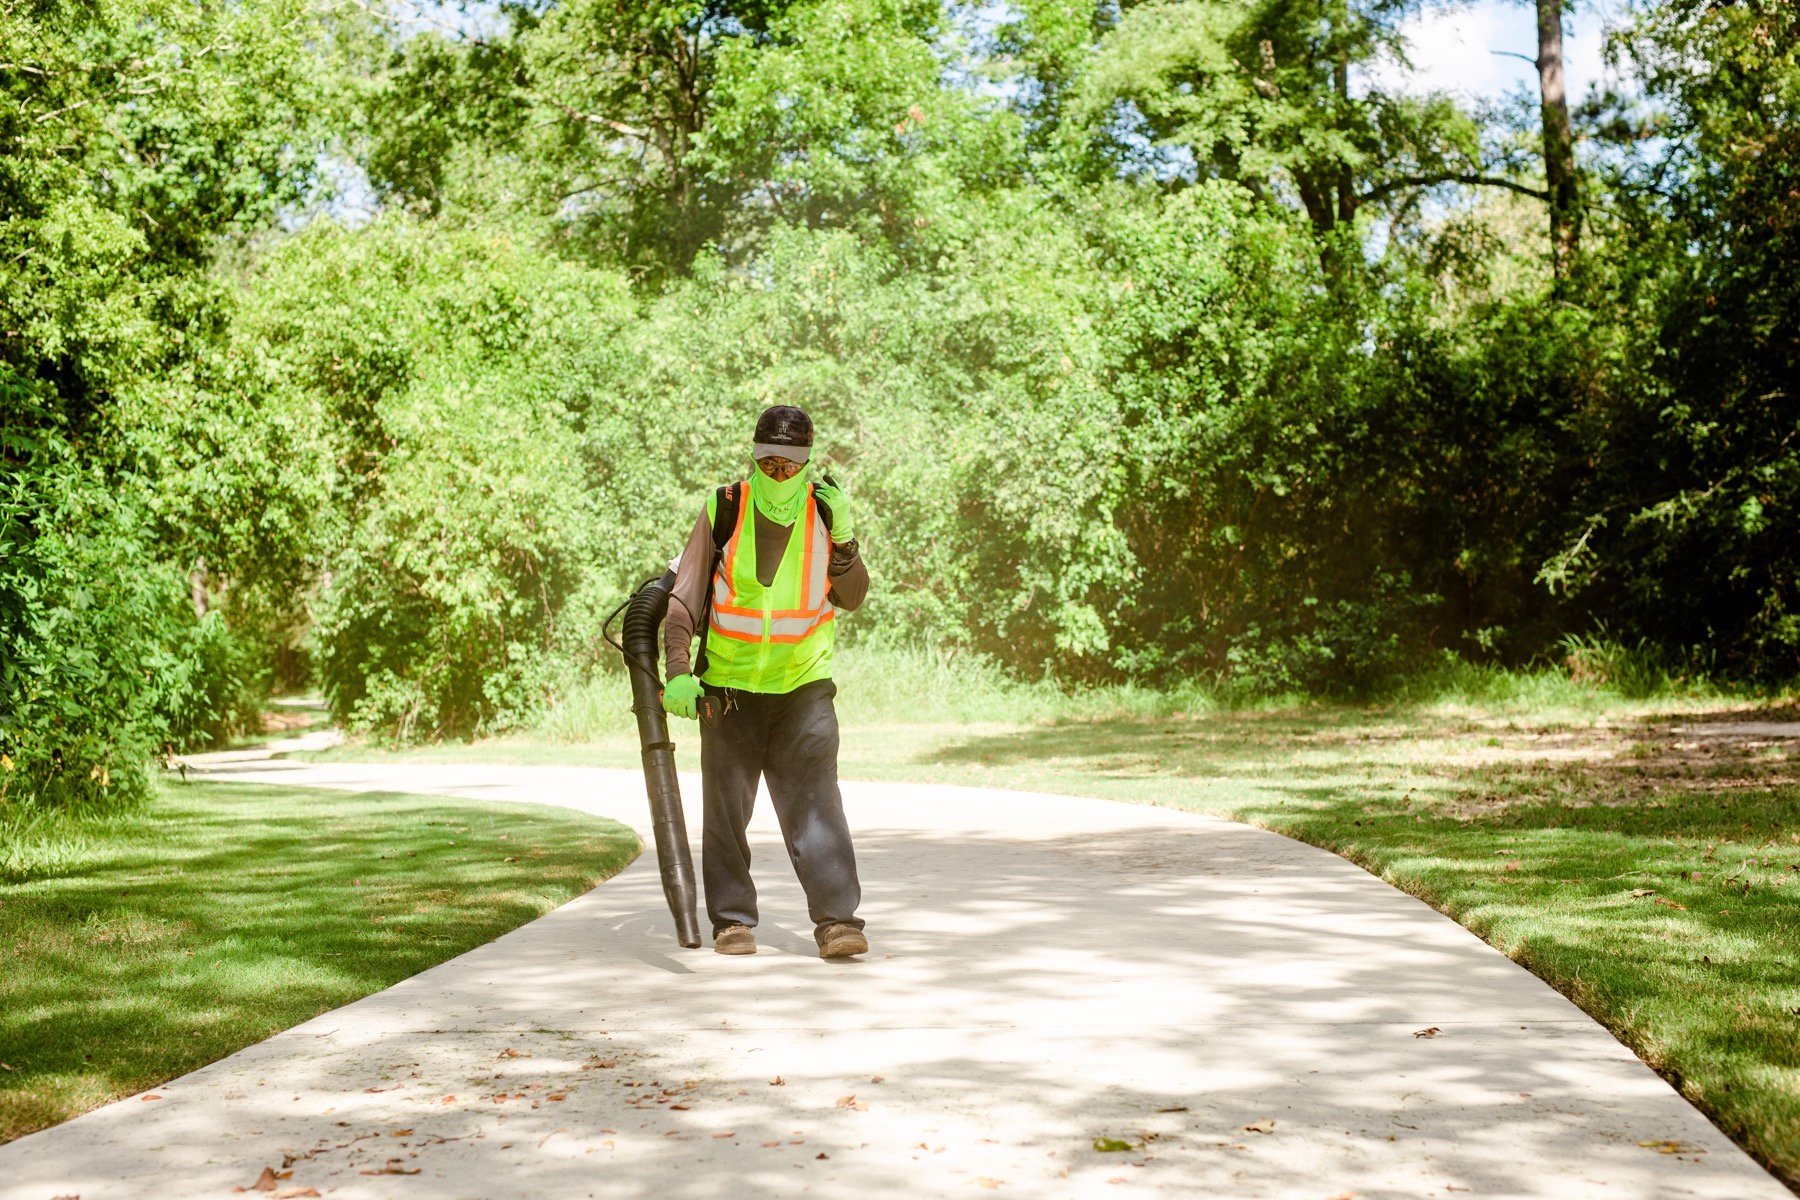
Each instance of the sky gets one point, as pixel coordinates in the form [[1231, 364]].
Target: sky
[[1453, 48]]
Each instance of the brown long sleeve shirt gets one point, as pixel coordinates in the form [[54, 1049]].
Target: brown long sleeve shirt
[[849, 581]]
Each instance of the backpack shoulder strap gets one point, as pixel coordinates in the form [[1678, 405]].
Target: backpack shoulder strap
[[723, 507], [724, 517]]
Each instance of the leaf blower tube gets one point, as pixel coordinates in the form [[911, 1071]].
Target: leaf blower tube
[[643, 614]]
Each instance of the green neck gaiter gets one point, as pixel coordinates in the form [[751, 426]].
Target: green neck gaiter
[[778, 501]]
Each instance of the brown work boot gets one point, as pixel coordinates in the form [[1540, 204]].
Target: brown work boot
[[735, 939], [842, 940]]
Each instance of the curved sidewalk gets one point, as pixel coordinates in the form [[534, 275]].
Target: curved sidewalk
[[1246, 1013]]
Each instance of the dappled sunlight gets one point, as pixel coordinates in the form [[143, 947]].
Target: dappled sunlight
[[1245, 1015]]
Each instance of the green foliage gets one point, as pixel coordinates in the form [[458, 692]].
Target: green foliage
[[454, 373], [1151, 343], [140, 138], [1690, 525], [81, 668], [1260, 94]]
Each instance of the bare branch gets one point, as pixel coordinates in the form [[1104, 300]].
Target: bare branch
[[594, 119], [1406, 181]]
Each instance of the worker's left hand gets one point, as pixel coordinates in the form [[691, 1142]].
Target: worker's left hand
[[832, 496], [682, 696]]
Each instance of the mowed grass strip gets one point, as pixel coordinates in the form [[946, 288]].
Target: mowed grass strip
[[137, 949]]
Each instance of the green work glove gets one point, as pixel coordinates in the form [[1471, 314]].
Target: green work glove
[[832, 497], [682, 696]]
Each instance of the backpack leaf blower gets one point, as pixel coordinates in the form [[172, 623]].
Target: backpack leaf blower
[[644, 611]]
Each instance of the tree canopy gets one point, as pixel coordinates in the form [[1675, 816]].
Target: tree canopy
[[1152, 340]]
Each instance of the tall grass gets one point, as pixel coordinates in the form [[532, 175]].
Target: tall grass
[[921, 685]]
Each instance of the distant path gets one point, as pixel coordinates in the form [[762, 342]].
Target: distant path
[[1247, 1012]]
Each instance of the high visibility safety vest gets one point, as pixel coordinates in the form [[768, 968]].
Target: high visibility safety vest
[[775, 638]]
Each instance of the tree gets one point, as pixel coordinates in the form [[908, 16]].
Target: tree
[[140, 138], [1260, 94], [640, 134], [1562, 185]]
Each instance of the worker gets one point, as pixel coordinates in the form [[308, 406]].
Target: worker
[[767, 564]]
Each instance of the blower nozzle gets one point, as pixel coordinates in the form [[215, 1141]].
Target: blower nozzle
[[644, 612]]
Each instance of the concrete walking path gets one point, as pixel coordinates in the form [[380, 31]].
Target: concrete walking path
[[1251, 1016]]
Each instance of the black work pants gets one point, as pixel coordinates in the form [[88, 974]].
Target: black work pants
[[790, 739]]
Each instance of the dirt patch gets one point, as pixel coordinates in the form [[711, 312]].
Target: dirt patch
[[286, 720], [1616, 767], [1766, 731]]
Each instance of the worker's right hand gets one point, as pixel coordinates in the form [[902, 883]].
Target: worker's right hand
[[681, 696]]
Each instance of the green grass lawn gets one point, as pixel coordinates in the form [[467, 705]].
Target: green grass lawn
[[1651, 876], [135, 949]]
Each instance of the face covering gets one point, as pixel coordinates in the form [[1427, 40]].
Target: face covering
[[778, 500]]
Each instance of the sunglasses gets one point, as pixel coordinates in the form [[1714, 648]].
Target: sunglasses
[[778, 468]]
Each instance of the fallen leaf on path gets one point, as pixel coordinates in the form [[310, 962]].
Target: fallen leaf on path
[[401, 1133], [770, 1145], [1668, 1146], [1266, 1125], [372, 1091], [985, 1182], [557, 1096], [852, 1102], [605, 1064], [729, 1133], [392, 1169], [296, 1193], [875, 1078], [1117, 1179], [448, 1100], [264, 1182], [1427, 1033], [1174, 1108], [821, 1154], [680, 1107], [778, 1081], [153, 1096], [1106, 1145]]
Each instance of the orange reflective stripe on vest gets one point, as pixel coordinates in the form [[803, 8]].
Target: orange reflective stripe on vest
[[794, 607]]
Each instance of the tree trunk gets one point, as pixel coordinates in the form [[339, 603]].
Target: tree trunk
[[1346, 190], [197, 588], [1559, 144]]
